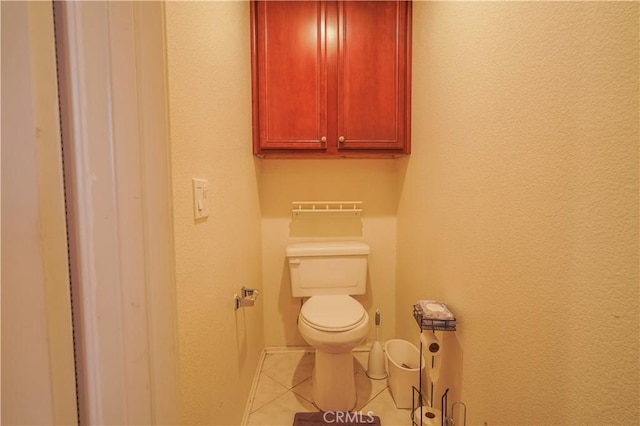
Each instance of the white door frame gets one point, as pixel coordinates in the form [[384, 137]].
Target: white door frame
[[112, 74]]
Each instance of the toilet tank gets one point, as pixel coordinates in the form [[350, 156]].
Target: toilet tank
[[318, 268]]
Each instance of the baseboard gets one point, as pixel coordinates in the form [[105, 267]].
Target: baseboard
[[362, 348], [284, 349], [254, 387]]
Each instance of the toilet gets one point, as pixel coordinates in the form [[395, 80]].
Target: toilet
[[330, 320]]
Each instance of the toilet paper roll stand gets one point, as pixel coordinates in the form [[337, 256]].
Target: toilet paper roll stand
[[426, 324]]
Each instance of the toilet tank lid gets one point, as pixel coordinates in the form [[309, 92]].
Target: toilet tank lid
[[325, 248]]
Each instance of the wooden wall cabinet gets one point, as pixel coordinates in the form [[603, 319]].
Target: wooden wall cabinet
[[331, 78]]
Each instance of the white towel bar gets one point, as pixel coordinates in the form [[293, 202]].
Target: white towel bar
[[302, 209]]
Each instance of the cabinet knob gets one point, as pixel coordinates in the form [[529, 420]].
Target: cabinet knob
[[341, 139], [323, 139]]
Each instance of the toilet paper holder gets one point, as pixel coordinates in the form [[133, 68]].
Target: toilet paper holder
[[247, 297]]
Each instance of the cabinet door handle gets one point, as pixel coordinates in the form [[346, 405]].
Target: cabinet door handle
[[323, 139], [341, 139]]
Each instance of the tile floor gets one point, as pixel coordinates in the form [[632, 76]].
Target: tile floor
[[284, 388]]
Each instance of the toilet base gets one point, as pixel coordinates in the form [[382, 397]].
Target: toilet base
[[334, 384]]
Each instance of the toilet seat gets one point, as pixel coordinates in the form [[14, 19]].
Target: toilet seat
[[333, 313]]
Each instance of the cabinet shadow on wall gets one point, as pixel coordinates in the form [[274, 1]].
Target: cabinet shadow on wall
[[334, 227]]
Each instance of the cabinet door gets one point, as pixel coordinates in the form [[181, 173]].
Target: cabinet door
[[373, 75], [291, 82]]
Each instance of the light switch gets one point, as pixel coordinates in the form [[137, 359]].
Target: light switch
[[200, 201]]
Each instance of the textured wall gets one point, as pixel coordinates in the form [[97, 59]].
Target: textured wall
[[519, 205], [210, 118]]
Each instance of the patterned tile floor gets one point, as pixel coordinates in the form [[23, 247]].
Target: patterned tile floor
[[284, 388]]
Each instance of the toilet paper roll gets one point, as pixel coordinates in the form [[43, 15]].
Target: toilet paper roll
[[430, 416], [434, 371], [431, 345]]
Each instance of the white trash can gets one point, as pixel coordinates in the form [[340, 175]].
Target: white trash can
[[403, 361]]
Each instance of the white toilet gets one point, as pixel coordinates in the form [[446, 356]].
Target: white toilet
[[331, 321]]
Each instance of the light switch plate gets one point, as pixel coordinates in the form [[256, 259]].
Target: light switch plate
[[200, 198]]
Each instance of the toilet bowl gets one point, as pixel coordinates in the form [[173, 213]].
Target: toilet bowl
[[331, 321], [333, 325]]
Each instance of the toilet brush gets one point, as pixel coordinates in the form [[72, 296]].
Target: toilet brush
[[376, 369]]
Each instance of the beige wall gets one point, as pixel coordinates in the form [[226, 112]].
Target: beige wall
[[282, 181], [519, 205], [210, 118], [38, 384]]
